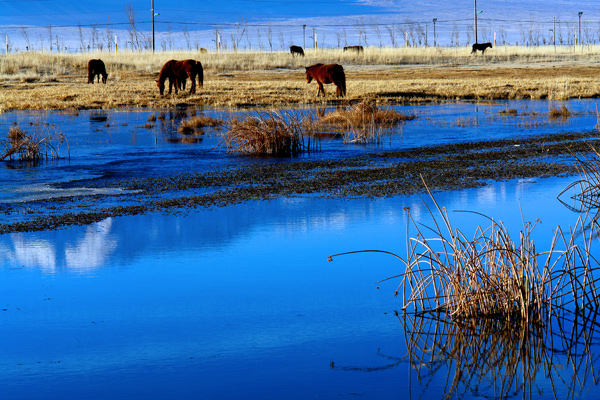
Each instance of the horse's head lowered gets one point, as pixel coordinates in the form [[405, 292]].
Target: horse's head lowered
[[161, 86], [308, 76]]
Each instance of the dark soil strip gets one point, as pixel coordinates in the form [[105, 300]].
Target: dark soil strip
[[448, 167]]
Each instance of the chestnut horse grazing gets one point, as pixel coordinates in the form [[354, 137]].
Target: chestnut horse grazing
[[167, 72], [177, 72], [330, 73], [191, 69], [96, 67]]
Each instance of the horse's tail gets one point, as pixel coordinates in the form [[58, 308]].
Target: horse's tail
[[342, 81], [200, 73]]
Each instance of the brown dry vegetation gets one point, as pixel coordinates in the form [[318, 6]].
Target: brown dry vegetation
[[58, 81]]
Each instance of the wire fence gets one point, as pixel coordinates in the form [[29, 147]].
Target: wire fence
[[242, 35]]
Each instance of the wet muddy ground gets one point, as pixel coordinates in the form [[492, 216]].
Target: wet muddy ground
[[376, 174]]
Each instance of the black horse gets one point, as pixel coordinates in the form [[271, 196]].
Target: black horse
[[358, 49], [481, 47], [297, 50]]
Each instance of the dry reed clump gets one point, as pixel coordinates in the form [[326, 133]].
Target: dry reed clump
[[33, 147], [276, 133], [195, 124], [492, 275], [363, 122], [365, 113], [563, 112]]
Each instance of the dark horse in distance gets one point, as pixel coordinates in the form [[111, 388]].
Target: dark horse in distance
[[297, 50], [357, 49], [481, 47], [177, 72], [96, 67], [325, 74]]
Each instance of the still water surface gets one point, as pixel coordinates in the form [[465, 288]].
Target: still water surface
[[240, 301]]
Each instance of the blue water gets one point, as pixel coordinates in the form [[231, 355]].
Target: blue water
[[240, 301]]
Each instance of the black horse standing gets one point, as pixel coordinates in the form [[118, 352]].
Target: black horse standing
[[481, 47], [297, 50]]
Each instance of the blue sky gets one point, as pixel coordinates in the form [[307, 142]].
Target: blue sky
[[334, 21]]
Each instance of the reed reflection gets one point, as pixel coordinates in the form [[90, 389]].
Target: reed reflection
[[483, 357]]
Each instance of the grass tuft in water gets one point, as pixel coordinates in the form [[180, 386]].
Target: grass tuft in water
[[34, 147], [364, 122], [195, 124], [562, 112], [275, 133]]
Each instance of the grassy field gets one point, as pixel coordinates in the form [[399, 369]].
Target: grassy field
[[44, 81]]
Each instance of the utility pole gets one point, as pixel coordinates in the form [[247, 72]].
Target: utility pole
[[434, 39], [579, 38], [152, 26], [304, 35], [475, 20]]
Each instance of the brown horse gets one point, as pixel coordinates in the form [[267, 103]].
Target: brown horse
[[177, 72], [191, 69], [330, 73], [167, 71], [96, 67]]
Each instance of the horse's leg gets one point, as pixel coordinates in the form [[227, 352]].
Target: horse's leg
[[321, 89], [193, 79]]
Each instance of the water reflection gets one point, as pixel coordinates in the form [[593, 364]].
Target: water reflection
[[85, 253], [482, 356]]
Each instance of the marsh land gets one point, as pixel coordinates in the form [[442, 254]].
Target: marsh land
[[238, 81], [42, 81]]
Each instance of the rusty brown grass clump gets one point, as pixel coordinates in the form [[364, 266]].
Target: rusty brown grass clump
[[364, 122], [274, 133], [195, 124], [562, 112], [365, 113]]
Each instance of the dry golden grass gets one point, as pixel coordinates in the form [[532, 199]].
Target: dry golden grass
[[195, 124], [364, 113], [59, 81], [267, 133]]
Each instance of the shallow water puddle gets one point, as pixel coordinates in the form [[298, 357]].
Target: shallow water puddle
[[241, 300]]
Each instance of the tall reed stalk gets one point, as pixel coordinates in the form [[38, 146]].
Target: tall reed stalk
[[493, 274]]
